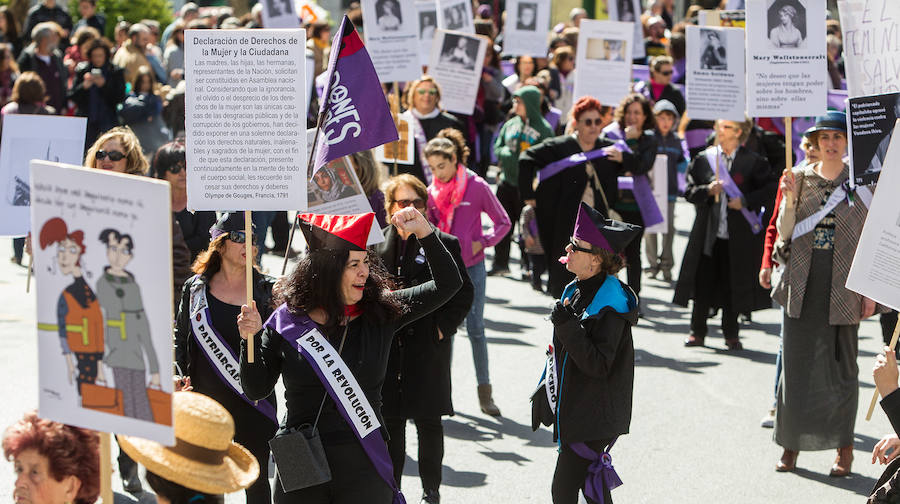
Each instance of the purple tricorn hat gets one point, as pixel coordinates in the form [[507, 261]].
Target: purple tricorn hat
[[612, 235]]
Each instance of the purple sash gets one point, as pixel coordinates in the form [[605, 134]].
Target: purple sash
[[220, 355], [568, 162], [696, 138], [601, 473], [732, 190], [419, 135], [639, 186], [337, 379]]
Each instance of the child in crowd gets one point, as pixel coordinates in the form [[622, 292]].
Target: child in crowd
[[528, 225]]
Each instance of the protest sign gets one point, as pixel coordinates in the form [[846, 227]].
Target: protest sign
[[871, 45], [392, 39], [27, 137], [456, 62], [872, 119], [335, 190], [103, 275], [525, 32], [245, 116], [729, 18], [401, 151], [603, 61], [715, 73], [455, 15], [629, 11], [279, 14], [786, 71], [659, 180], [426, 11]]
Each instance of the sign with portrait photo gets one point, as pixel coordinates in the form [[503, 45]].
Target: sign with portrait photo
[[455, 15], [103, 282], [401, 151], [786, 70], [525, 33], [715, 73], [872, 121], [603, 60], [27, 137], [392, 39], [279, 14], [426, 11], [629, 11], [456, 62], [871, 48]]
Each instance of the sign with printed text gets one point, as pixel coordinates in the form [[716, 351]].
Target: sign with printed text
[[871, 46]]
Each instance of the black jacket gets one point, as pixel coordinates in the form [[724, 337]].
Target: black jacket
[[56, 87], [758, 183], [111, 94], [891, 407], [645, 148], [417, 383]]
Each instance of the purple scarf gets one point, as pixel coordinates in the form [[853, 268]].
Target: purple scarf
[[640, 186], [601, 473], [731, 189]]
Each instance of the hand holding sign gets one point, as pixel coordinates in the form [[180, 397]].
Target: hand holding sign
[[249, 321]]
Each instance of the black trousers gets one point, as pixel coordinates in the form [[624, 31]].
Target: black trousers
[[633, 251], [508, 195], [431, 448], [353, 480], [538, 267], [713, 285], [571, 471], [281, 229], [257, 441]]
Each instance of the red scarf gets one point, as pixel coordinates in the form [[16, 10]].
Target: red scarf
[[447, 196], [352, 310]]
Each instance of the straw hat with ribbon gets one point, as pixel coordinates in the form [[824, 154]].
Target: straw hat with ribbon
[[205, 457]]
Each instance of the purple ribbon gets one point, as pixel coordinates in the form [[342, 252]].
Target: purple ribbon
[[640, 185], [419, 136], [732, 190], [696, 138], [601, 473], [292, 328], [568, 162]]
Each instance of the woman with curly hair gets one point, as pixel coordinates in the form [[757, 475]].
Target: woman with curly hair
[[54, 463], [329, 340], [117, 150]]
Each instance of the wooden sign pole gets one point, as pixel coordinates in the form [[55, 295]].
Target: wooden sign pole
[[788, 154], [718, 155], [248, 248], [106, 493], [893, 345], [28, 277]]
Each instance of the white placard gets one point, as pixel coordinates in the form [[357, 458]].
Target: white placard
[[602, 60], [335, 190], [280, 14], [715, 73], [525, 33], [392, 39], [871, 49], [629, 11], [875, 272], [456, 62], [27, 137], [245, 115], [786, 70], [426, 11], [401, 151], [455, 15], [659, 180], [103, 283], [734, 5]]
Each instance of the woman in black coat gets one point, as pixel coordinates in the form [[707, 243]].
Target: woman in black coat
[[586, 390], [97, 89], [332, 334], [557, 196], [417, 384], [423, 103]]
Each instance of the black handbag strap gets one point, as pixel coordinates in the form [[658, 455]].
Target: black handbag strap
[[340, 349]]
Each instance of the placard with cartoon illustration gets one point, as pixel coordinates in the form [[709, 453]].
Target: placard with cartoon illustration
[[103, 277]]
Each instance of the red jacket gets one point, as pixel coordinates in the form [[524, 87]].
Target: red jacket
[[771, 232]]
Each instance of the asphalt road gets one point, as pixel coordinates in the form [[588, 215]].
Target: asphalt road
[[695, 434]]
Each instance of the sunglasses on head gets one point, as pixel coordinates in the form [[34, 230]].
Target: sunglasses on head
[[590, 122], [432, 92], [113, 155], [577, 248], [417, 203], [239, 237]]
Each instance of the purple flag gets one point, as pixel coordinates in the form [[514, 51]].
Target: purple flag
[[356, 114]]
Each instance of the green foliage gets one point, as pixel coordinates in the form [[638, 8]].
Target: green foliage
[[129, 10]]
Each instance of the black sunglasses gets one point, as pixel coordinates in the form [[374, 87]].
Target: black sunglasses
[[591, 122], [175, 169], [113, 155], [576, 248], [239, 236], [418, 203], [666, 73]]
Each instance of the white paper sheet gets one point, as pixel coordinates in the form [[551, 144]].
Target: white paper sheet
[[456, 62], [871, 46], [391, 39], [603, 62], [715, 73], [525, 31]]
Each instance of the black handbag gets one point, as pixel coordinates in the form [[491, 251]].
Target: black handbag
[[300, 458], [887, 488]]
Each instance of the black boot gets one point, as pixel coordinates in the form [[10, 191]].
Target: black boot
[[431, 497]]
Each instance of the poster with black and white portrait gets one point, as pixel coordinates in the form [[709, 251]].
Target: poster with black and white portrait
[[279, 14], [786, 24], [392, 39], [426, 13], [524, 34], [713, 50], [456, 62], [602, 59], [629, 11], [716, 83], [455, 15]]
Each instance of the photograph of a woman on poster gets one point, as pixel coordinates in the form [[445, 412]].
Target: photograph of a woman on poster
[[787, 24], [713, 55], [388, 15], [626, 10]]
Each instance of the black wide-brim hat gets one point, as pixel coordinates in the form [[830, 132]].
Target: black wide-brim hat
[[228, 222], [608, 234], [831, 121]]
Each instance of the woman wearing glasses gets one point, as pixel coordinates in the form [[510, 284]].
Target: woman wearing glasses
[[423, 101], [582, 166], [207, 340], [417, 384], [117, 150], [660, 87]]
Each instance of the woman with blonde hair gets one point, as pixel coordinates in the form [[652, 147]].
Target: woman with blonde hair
[[423, 101], [118, 150]]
